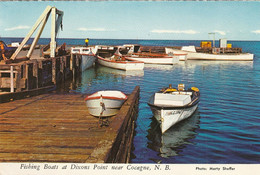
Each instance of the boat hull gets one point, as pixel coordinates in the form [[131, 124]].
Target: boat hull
[[159, 60], [213, 57], [220, 57], [181, 57], [178, 53], [170, 116], [105, 103], [88, 61], [111, 107], [122, 65]]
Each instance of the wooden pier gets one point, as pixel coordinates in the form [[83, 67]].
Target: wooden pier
[[58, 128], [37, 73]]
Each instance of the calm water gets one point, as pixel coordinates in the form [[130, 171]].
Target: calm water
[[224, 129]]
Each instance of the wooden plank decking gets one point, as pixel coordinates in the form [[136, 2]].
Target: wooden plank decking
[[55, 128]]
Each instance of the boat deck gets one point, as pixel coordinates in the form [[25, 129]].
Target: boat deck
[[55, 128]]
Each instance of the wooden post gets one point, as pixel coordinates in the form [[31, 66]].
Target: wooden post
[[53, 34], [36, 73], [40, 74], [12, 78], [18, 79], [54, 69], [62, 71], [27, 76], [71, 61]]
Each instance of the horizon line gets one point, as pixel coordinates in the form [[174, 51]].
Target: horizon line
[[141, 39]]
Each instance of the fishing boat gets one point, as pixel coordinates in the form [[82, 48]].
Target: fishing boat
[[116, 60], [170, 105], [151, 58], [88, 61], [88, 56], [217, 54], [119, 62], [105, 103]]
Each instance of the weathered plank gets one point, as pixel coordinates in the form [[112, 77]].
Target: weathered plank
[[58, 128]]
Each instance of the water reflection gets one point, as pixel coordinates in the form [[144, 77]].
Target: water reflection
[[174, 140], [194, 63], [160, 66], [117, 72]]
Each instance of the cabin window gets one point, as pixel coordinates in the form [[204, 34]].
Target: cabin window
[[76, 50]]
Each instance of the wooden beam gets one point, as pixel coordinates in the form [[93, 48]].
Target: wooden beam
[[12, 78], [36, 39], [53, 32], [37, 23]]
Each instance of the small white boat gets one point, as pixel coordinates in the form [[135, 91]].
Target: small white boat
[[170, 106], [84, 50], [192, 54], [118, 62], [88, 61], [105, 103], [88, 56], [151, 58]]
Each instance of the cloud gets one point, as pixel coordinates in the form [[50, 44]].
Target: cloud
[[91, 29], [175, 31], [220, 32], [17, 28], [256, 31]]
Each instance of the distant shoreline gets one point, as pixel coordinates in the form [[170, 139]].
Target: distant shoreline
[[135, 39]]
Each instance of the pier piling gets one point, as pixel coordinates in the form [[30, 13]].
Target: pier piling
[[38, 73]]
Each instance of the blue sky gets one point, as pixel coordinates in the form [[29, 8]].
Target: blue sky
[[138, 20]]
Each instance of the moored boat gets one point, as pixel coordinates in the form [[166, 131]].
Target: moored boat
[[170, 106], [105, 103], [152, 58], [217, 54], [88, 61], [118, 62], [88, 56]]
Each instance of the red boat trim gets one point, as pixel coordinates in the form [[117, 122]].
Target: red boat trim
[[178, 54], [152, 56], [133, 58], [124, 62], [84, 54], [105, 97]]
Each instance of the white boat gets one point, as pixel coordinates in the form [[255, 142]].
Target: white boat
[[88, 56], [170, 106], [118, 62], [84, 50], [181, 56], [221, 57], [105, 103], [192, 54], [88, 61], [151, 58]]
